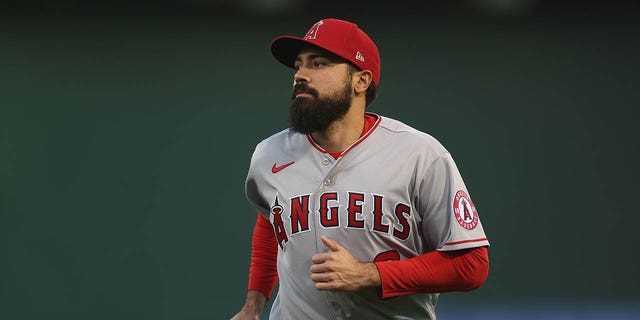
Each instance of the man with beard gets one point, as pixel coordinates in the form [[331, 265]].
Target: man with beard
[[359, 216]]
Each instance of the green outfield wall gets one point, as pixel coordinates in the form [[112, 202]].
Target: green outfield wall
[[126, 136]]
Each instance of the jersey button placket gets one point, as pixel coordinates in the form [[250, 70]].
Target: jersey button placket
[[325, 163]]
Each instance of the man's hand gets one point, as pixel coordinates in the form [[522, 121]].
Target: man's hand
[[253, 306], [338, 270]]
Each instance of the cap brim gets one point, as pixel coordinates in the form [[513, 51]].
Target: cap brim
[[286, 48]]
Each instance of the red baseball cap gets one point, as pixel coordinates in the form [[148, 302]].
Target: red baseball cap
[[342, 38]]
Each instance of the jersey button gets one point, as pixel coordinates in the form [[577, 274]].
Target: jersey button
[[327, 182], [325, 161]]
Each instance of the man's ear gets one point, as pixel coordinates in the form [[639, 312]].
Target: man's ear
[[362, 81]]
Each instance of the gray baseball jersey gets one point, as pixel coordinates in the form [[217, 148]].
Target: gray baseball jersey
[[396, 193]]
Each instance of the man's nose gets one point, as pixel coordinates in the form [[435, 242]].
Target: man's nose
[[300, 76]]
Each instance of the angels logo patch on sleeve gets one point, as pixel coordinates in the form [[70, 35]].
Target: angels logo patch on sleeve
[[465, 211]]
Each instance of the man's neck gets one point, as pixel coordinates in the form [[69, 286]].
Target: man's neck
[[342, 133]]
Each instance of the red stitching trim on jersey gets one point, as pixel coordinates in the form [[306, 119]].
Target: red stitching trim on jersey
[[465, 241], [362, 138], [314, 144]]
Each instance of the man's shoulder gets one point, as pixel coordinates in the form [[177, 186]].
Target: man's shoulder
[[407, 133], [279, 141], [395, 125], [275, 137]]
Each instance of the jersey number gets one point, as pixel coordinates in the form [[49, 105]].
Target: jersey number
[[390, 255]]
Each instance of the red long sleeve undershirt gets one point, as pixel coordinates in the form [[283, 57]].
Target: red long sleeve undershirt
[[263, 271], [436, 271]]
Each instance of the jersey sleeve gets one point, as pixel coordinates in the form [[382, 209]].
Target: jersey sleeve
[[254, 180], [450, 219]]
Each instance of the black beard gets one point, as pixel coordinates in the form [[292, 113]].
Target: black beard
[[307, 115]]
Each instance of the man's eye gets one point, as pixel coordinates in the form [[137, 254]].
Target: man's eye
[[318, 64]]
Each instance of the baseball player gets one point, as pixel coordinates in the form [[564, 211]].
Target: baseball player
[[359, 216]]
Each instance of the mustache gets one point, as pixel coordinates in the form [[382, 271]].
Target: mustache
[[302, 87]]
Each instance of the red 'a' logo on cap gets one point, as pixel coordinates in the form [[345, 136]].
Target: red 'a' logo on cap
[[313, 32]]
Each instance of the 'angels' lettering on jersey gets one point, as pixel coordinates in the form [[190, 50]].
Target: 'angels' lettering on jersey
[[288, 223]]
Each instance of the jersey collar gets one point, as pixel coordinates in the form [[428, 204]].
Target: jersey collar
[[371, 122]]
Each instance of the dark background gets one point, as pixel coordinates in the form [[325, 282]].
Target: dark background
[[127, 129]]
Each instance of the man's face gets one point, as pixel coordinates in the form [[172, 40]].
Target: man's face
[[322, 92]]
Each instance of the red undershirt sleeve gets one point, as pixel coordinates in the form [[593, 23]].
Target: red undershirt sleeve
[[434, 272], [263, 271]]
